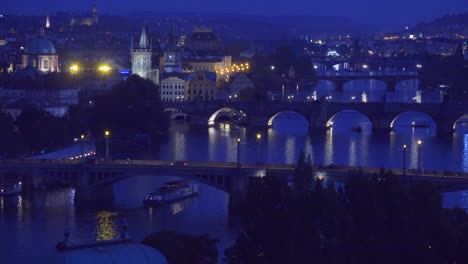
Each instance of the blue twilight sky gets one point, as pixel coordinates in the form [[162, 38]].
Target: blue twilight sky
[[383, 12]]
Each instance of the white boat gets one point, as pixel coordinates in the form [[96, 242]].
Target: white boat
[[11, 190], [171, 192]]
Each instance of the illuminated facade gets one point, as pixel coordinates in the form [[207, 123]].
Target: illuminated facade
[[200, 86], [40, 53], [172, 88]]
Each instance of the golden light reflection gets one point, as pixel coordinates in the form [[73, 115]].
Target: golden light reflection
[[180, 146], [20, 209], [290, 150], [329, 147], [352, 153], [106, 227], [465, 153]]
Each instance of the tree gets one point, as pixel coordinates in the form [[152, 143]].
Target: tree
[[132, 106], [184, 249]]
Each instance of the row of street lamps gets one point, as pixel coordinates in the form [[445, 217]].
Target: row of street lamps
[[419, 156], [82, 138], [258, 138]]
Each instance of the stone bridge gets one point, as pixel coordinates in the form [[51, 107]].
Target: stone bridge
[[319, 114], [90, 180], [391, 79]]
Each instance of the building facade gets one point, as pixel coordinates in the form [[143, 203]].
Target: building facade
[[200, 86], [172, 87]]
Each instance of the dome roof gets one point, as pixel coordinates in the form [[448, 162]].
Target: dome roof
[[202, 37], [40, 46]]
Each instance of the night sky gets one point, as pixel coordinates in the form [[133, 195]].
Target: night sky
[[365, 11]]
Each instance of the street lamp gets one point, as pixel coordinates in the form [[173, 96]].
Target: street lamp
[[259, 138], [272, 67], [238, 152], [82, 138], [106, 136], [404, 159], [419, 154]]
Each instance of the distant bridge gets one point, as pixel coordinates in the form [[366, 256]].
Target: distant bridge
[[320, 114], [226, 176], [364, 63], [390, 78]]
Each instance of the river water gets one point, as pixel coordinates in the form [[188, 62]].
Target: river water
[[32, 223]]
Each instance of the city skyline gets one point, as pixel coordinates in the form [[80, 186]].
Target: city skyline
[[397, 12]]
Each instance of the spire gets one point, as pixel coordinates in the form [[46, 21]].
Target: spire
[[144, 41], [47, 23]]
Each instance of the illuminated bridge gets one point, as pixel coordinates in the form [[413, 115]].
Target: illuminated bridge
[[319, 114], [89, 179]]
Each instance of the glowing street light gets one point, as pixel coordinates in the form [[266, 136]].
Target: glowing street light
[[272, 67], [74, 68], [104, 68]]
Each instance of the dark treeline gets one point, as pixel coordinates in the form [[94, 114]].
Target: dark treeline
[[371, 219], [131, 107], [451, 71]]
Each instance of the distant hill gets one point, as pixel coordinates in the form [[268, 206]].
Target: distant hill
[[448, 26]]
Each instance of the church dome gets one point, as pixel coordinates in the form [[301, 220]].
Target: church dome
[[202, 39], [40, 46]]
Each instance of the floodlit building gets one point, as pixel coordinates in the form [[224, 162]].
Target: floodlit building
[[40, 53], [200, 86], [172, 87]]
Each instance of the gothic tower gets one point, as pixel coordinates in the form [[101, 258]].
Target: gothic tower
[[95, 15], [141, 56]]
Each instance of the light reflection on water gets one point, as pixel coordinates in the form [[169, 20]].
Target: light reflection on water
[[45, 214]]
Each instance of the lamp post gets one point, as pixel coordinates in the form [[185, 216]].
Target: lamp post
[[404, 160], [419, 155], [82, 138], [106, 136], [259, 138], [238, 152]]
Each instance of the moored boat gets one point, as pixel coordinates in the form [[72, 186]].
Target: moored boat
[[170, 192]]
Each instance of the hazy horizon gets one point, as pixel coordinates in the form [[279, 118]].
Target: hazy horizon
[[396, 12]]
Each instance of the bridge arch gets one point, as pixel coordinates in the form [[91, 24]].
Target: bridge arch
[[376, 80], [241, 115], [176, 114], [367, 119], [461, 122], [272, 118], [423, 120], [401, 82]]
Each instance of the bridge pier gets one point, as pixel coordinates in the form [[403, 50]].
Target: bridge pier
[[391, 86], [339, 85], [238, 192]]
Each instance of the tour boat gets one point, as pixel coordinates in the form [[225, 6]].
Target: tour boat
[[11, 190], [171, 192], [420, 125]]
